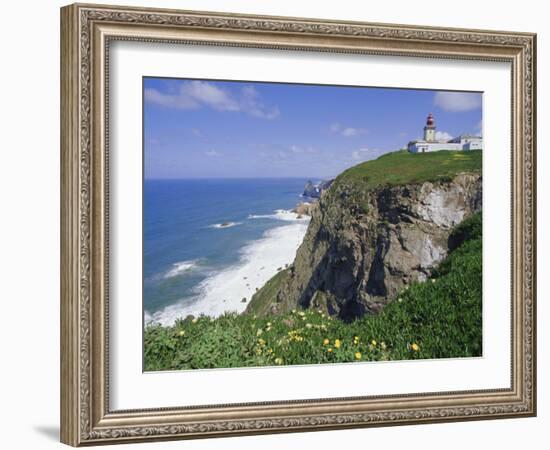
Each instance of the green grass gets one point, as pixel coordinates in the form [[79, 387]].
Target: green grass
[[440, 318], [267, 294], [402, 167]]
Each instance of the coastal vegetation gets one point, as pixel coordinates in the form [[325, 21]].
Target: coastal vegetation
[[402, 167], [439, 318]]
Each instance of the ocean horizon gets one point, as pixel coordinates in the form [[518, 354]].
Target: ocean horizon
[[209, 243]]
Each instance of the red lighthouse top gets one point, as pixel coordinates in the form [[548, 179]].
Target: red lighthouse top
[[430, 120]]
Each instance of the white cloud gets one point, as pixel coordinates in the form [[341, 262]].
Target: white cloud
[[443, 136], [457, 101], [367, 154], [250, 103], [300, 149], [349, 131], [196, 94], [169, 100], [338, 128], [479, 127], [275, 156], [213, 153], [359, 154], [209, 94], [335, 127]]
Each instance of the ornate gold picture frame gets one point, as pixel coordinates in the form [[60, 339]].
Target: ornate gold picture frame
[[87, 33]]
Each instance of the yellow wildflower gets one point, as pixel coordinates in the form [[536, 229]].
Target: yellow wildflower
[[329, 349], [181, 333], [326, 342], [337, 343], [278, 361], [308, 325], [373, 342], [415, 347], [357, 355], [259, 332]]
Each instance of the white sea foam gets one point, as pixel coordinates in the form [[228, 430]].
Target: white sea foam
[[225, 224], [147, 317], [281, 214], [224, 291], [179, 268]]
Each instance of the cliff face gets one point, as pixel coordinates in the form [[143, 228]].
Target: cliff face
[[362, 247]]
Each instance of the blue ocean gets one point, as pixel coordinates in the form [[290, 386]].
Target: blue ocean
[[208, 244]]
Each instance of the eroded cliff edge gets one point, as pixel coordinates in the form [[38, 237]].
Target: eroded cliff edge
[[366, 242]]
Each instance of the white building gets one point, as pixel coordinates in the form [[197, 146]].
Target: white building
[[431, 144]]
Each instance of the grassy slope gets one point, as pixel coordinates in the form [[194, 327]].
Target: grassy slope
[[403, 167], [267, 294], [437, 319]]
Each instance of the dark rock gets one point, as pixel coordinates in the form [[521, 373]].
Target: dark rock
[[314, 190], [310, 190]]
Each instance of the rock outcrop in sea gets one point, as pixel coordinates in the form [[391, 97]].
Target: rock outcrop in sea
[[315, 190], [304, 209]]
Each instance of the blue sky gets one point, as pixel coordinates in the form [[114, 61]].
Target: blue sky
[[211, 129]]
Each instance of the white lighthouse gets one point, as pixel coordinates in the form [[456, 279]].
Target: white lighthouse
[[429, 129], [431, 144]]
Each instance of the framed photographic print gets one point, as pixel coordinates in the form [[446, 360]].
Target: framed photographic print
[[276, 224]]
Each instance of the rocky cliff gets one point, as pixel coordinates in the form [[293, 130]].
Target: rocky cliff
[[365, 245]]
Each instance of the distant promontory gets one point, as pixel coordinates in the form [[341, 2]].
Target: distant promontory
[[314, 190]]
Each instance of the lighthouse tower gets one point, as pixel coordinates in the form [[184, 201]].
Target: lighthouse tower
[[429, 129]]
